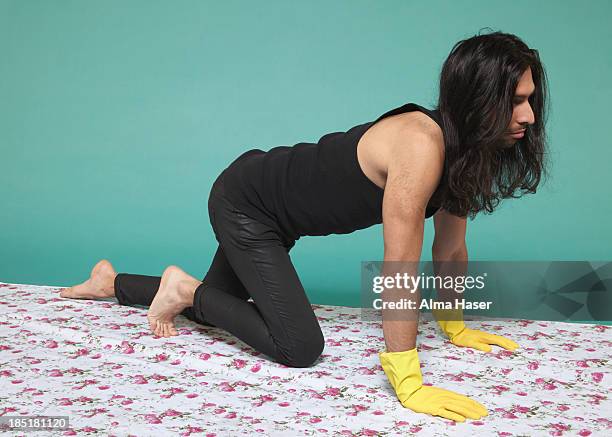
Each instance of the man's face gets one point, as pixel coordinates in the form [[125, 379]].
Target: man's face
[[522, 115]]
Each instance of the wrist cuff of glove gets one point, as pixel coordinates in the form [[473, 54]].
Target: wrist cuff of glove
[[450, 321], [403, 370]]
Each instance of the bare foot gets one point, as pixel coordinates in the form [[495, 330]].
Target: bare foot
[[175, 293], [100, 284]]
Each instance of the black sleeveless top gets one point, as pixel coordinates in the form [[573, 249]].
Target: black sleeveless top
[[312, 188]]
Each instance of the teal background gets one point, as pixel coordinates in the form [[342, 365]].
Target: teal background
[[116, 117]]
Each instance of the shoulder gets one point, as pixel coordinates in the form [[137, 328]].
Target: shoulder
[[416, 159], [417, 135], [403, 143], [411, 130], [418, 124]]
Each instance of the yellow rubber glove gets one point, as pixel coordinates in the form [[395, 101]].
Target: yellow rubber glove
[[404, 372], [451, 322]]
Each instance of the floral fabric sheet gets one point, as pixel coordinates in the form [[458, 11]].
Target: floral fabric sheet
[[97, 362]]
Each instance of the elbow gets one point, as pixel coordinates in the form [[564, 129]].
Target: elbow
[[445, 252], [402, 256]]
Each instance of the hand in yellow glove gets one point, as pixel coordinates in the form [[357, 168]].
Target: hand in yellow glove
[[451, 322], [404, 373]]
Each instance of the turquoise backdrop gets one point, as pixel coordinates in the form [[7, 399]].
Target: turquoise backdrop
[[116, 117]]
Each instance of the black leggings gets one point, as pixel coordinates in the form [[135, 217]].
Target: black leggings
[[252, 261]]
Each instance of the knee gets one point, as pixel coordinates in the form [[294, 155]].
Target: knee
[[306, 352]]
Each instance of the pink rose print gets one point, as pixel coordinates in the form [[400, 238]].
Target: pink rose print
[[126, 348], [51, 344], [558, 429], [152, 418], [332, 391], [238, 363], [171, 413], [139, 379], [161, 357], [158, 377], [533, 365], [225, 386]]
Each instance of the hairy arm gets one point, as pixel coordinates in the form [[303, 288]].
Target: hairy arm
[[449, 250], [412, 177], [450, 257]]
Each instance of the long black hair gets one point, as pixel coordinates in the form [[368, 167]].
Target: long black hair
[[477, 85]]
